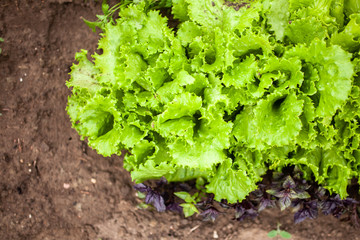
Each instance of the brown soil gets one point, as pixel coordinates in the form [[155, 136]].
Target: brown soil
[[52, 185]]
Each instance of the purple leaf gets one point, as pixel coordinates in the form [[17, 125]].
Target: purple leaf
[[142, 188], [258, 193], [321, 193], [301, 194], [205, 204], [284, 202], [264, 203], [337, 207], [328, 206], [273, 192], [175, 207], [282, 194], [156, 200], [332, 206], [210, 214], [309, 210], [349, 201], [245, 210], [162, 182], [289, 192], [289, 183], [249, 213], [224, 204], [152, 197], [296, 204]]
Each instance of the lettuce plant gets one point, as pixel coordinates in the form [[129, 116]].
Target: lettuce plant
[[225, 92]]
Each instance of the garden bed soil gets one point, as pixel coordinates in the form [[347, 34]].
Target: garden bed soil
[[52, 185]]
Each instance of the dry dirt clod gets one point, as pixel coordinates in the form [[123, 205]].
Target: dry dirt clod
[[44, 147]]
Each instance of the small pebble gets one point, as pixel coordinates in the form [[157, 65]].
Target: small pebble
[[93, 180], [215, 235], [30, 216], [66, 185], [21, 160], [29, 170], [21, 79], [78, 207]]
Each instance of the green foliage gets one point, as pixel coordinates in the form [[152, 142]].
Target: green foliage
[[351, 6], [234, 90], [1, 40], [143, 205], [189, 207], [141, 195], [107, 15], [281, 233]]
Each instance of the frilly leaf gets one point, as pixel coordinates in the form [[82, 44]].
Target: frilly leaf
[[232, 185], [273, 122], [278, 16], [349, 38], [336, 65]]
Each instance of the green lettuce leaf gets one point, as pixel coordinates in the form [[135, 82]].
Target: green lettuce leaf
[[84, 75], [278, 17], [348, 39], [230, 184], [305, 30], [333, 63], [273, 122]]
